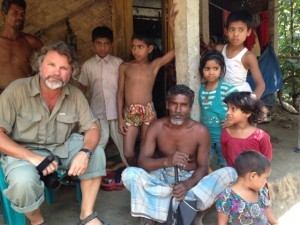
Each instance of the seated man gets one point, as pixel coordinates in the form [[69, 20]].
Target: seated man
[[37, 118], [181, 142]]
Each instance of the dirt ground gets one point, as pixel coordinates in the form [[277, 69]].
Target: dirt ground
[[114, 207]]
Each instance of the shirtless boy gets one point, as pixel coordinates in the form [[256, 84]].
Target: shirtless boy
[[134, 97], [16, 47]]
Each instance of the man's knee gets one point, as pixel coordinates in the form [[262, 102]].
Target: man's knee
[[25, 185], [131, 175], [24, 188]]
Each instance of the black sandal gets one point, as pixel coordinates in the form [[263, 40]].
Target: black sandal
[[89, 218]]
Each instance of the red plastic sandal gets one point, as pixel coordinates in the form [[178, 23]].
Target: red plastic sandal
[[111, 185]]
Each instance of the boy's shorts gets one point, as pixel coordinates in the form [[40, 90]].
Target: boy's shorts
[[138, 114]]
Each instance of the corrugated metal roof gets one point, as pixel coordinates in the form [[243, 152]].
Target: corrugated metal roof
[[253, 6], [147, 8]]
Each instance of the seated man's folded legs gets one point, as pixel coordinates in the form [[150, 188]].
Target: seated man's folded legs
[[25, 189]]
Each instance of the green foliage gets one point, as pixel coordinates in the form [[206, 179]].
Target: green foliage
[[289, 35]]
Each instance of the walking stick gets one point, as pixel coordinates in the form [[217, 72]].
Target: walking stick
[[185, 212], [176, 175]]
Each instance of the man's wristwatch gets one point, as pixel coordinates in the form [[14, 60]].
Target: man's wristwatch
[[87, 151]]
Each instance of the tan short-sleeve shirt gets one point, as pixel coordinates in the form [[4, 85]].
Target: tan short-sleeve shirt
[[27, 120]]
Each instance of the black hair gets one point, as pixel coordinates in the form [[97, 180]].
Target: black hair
[[181, 89], [6, 4], [148, 41], [212, 55], [102, 32], [143, 38], [239, 15], [248, 103], [251, 161]]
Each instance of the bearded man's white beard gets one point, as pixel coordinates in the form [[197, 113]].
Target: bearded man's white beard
[[177, 121], [54, 85]]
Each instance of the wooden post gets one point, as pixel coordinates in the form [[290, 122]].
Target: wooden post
[[273, 24], [204, 20], [122, 25]]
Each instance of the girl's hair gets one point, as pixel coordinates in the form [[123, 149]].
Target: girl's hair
[[148, 41], [248, 103], [251, 161], [212, 55]]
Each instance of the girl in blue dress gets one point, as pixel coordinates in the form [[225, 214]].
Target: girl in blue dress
[[211, 95]]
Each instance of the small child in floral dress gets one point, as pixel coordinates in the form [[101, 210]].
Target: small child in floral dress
[[246, 201]]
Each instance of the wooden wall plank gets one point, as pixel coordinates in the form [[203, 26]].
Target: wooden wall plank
[[122, 24]]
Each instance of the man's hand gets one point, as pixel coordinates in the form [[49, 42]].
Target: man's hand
[[51, 168], [122, 126], [79, 164], [179, 159], [179, 191]]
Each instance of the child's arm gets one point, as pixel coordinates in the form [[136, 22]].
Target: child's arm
[[251, 62], [120, 99], [223, 145], [161, 61], [265, 145], [222, 218], [271, 218], [219, 47]]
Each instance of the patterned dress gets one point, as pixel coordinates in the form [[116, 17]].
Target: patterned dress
[[242, 212]]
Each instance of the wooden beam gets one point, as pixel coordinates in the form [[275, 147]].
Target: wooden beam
[[204, 20], [122, 24], [128, 25]]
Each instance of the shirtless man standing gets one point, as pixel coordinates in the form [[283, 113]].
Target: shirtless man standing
[[181, 142], [16, 47]]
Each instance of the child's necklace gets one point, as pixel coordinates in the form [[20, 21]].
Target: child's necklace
[[208, 91]]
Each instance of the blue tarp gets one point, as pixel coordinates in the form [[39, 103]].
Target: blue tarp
[[270, 69]]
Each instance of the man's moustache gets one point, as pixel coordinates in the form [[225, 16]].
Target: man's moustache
[[54, 77], [177, 114]]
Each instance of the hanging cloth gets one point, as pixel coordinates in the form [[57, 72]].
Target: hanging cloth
[[250, 41], [270, 69], [263, 29], [225, 15]]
